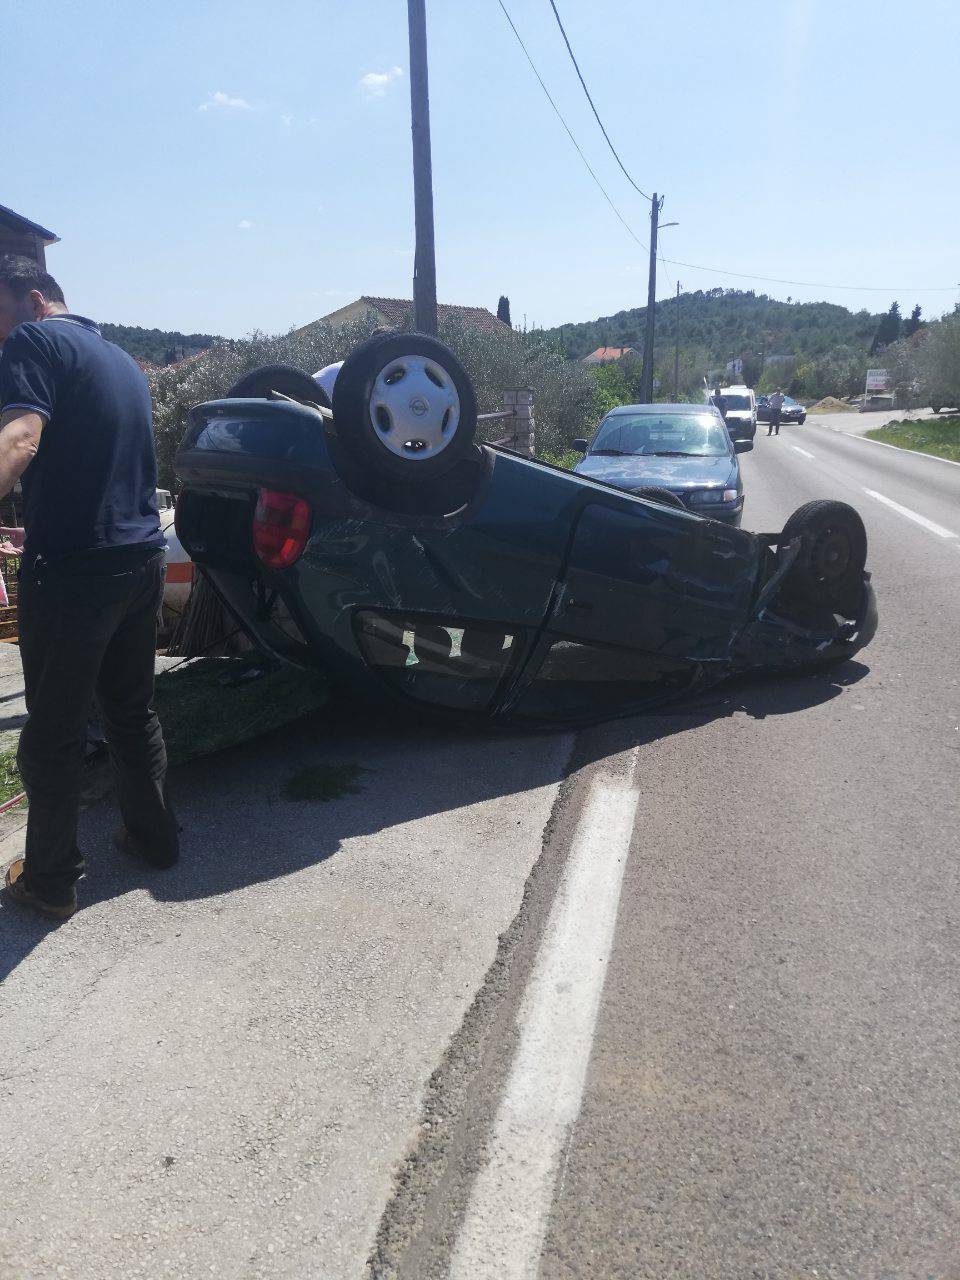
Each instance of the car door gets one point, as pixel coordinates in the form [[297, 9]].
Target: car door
[[649, 594]]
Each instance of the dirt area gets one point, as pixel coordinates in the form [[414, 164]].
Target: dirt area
[[830, 404]]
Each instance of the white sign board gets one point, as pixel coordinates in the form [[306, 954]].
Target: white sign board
[[876, 380]]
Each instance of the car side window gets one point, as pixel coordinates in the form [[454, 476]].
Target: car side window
[[459, 665]]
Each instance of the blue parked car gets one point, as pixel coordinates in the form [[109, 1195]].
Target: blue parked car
[[379, 542], [679, 449]]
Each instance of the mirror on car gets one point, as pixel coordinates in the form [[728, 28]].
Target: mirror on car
[[581, 446], [743, 446]]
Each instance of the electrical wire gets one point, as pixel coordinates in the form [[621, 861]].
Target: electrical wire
[[576, 144], [593, 108], [816, 284], [676, 262]]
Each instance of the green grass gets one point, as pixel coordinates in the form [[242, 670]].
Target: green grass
[[939, 436], [324, 782], [10, 784], [207, 705]]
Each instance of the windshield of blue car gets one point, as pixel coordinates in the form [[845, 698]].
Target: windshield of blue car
[[662, 435]]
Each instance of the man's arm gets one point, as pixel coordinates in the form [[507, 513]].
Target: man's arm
[[19, 440]]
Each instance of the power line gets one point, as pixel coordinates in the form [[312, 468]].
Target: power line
[[692, 266], [590, 100], [576, 144], [816, 284]]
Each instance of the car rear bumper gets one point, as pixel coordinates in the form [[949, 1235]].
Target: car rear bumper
[[741, 430]]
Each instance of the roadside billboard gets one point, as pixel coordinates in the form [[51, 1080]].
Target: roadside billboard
[[876, 380]]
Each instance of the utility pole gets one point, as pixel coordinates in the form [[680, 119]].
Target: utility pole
[[676, 353], [646, 377], [424, 263]]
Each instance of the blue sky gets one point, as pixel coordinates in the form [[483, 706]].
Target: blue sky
[[224, 165]]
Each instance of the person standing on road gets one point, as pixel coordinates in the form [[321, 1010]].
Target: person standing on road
[[76, 425], [776, 405]]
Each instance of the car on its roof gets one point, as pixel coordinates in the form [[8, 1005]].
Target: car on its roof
[[679, 449], [380, 543]]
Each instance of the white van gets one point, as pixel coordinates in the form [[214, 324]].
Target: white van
[[739, 408]]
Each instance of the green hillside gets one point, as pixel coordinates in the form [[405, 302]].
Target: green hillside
[[158, 346], [800, 345]]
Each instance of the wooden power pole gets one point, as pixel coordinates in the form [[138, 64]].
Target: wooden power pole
[[424, 263], [676, 352], [646, 377]]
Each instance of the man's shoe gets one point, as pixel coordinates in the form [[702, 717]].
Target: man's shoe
[[18, 890], [124, 843]]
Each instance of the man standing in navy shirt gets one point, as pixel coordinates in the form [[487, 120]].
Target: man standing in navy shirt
[[76, 429]]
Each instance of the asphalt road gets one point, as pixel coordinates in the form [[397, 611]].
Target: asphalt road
[[857, 424], [750, 1068], [774, 1085]]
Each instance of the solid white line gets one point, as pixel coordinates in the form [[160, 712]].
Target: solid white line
[[938, 529], [917, 453], [796, 448], [502, 1233]]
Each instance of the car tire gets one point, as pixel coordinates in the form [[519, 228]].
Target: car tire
[[404, 407], [282, 378], [833, 555], [664, 496], [801, 420]]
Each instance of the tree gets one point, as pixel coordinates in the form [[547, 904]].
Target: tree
[[911, 326], [938, 361], [888, 330], [503, 310]]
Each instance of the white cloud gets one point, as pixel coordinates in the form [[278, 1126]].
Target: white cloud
[[287, 120], [223, 102], [244, 224], [376, 83]]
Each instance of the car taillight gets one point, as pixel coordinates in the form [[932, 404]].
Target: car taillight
[[281, 526]]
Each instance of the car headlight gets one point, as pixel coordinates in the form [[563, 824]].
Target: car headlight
[[712, 497]]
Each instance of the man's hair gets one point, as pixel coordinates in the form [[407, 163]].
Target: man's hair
[[21, 275]]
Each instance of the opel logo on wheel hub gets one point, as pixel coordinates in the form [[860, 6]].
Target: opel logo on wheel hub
[[418, 406]]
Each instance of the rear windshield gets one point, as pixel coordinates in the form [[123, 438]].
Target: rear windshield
[[736, 402], [651, 434]]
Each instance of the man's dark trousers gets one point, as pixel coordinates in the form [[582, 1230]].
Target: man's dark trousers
[[88, 627], [774, 427]]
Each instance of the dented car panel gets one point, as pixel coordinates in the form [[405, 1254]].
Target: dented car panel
[[543, 595]]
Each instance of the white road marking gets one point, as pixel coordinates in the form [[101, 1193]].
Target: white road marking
[[917, 453], [502, 1233], [796, 448], [938, 529]]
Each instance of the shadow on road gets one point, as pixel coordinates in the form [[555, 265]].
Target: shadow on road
[[239, 830]]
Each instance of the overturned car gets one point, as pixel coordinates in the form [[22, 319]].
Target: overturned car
[[379, 542]]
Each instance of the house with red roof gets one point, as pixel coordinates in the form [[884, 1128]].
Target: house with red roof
[[606, 355], [395, 313]]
